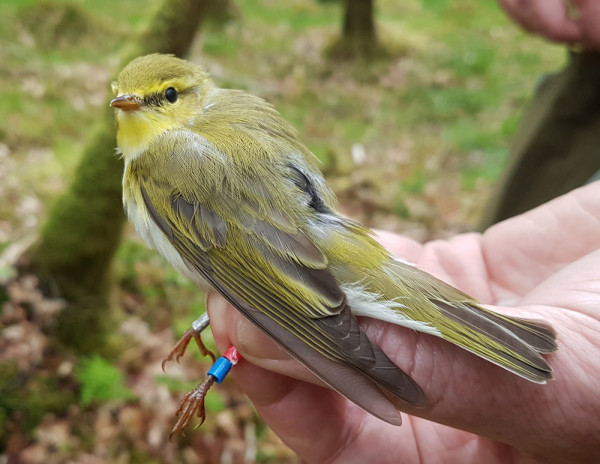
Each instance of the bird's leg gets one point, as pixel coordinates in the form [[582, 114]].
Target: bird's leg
[[194, 332], [193, 401]]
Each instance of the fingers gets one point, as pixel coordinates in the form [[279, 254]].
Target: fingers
[[462, 390], [316, 422], [320, 425], [310, 419], [576, 288], [553, 20], [588, 21], [547, 18], [523, 251]]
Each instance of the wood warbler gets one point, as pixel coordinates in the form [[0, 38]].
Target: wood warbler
[[222, 187]]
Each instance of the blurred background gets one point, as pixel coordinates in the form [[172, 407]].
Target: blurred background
[[411, 112]]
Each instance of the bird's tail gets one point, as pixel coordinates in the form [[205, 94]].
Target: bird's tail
[[513, 343]]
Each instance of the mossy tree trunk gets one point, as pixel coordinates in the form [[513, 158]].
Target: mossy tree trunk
[[78, 241], [359, 34]]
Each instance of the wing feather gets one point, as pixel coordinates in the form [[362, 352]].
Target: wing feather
[[279, 280]]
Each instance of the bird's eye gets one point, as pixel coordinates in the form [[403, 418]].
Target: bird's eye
[[171, 94]]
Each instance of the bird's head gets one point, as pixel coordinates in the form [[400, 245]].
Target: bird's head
[[156, 93]]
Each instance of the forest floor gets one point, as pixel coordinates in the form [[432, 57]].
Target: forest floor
[[411, 142]]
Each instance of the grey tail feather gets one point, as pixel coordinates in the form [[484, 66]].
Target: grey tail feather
[[511, 343], [537, 334]]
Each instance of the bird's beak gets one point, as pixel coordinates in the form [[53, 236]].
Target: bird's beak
[[126, 103]]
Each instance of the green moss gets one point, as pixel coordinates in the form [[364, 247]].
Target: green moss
[[100, 381], [26, 399]]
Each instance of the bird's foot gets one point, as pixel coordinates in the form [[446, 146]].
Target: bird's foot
[[193, 402], [194, 332]]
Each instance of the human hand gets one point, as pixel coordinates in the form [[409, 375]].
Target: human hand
[[552, 19], [544, 264]]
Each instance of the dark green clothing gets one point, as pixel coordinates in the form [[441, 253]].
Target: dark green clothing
[[557, 147]]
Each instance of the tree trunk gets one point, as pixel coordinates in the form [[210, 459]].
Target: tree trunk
[[358, 20], [359, 36], [78, 241]]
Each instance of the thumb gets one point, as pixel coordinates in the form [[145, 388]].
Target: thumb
[[229, 326]]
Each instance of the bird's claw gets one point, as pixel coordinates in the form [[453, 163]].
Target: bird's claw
[[203, 349], [179, 349], [192, 402]]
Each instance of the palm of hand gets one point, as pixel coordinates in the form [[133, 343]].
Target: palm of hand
[[545, 264]]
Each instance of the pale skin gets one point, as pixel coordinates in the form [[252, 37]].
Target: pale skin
[[557, 21], [543, 264]]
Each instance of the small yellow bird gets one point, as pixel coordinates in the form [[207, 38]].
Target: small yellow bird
[[222, 187]]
